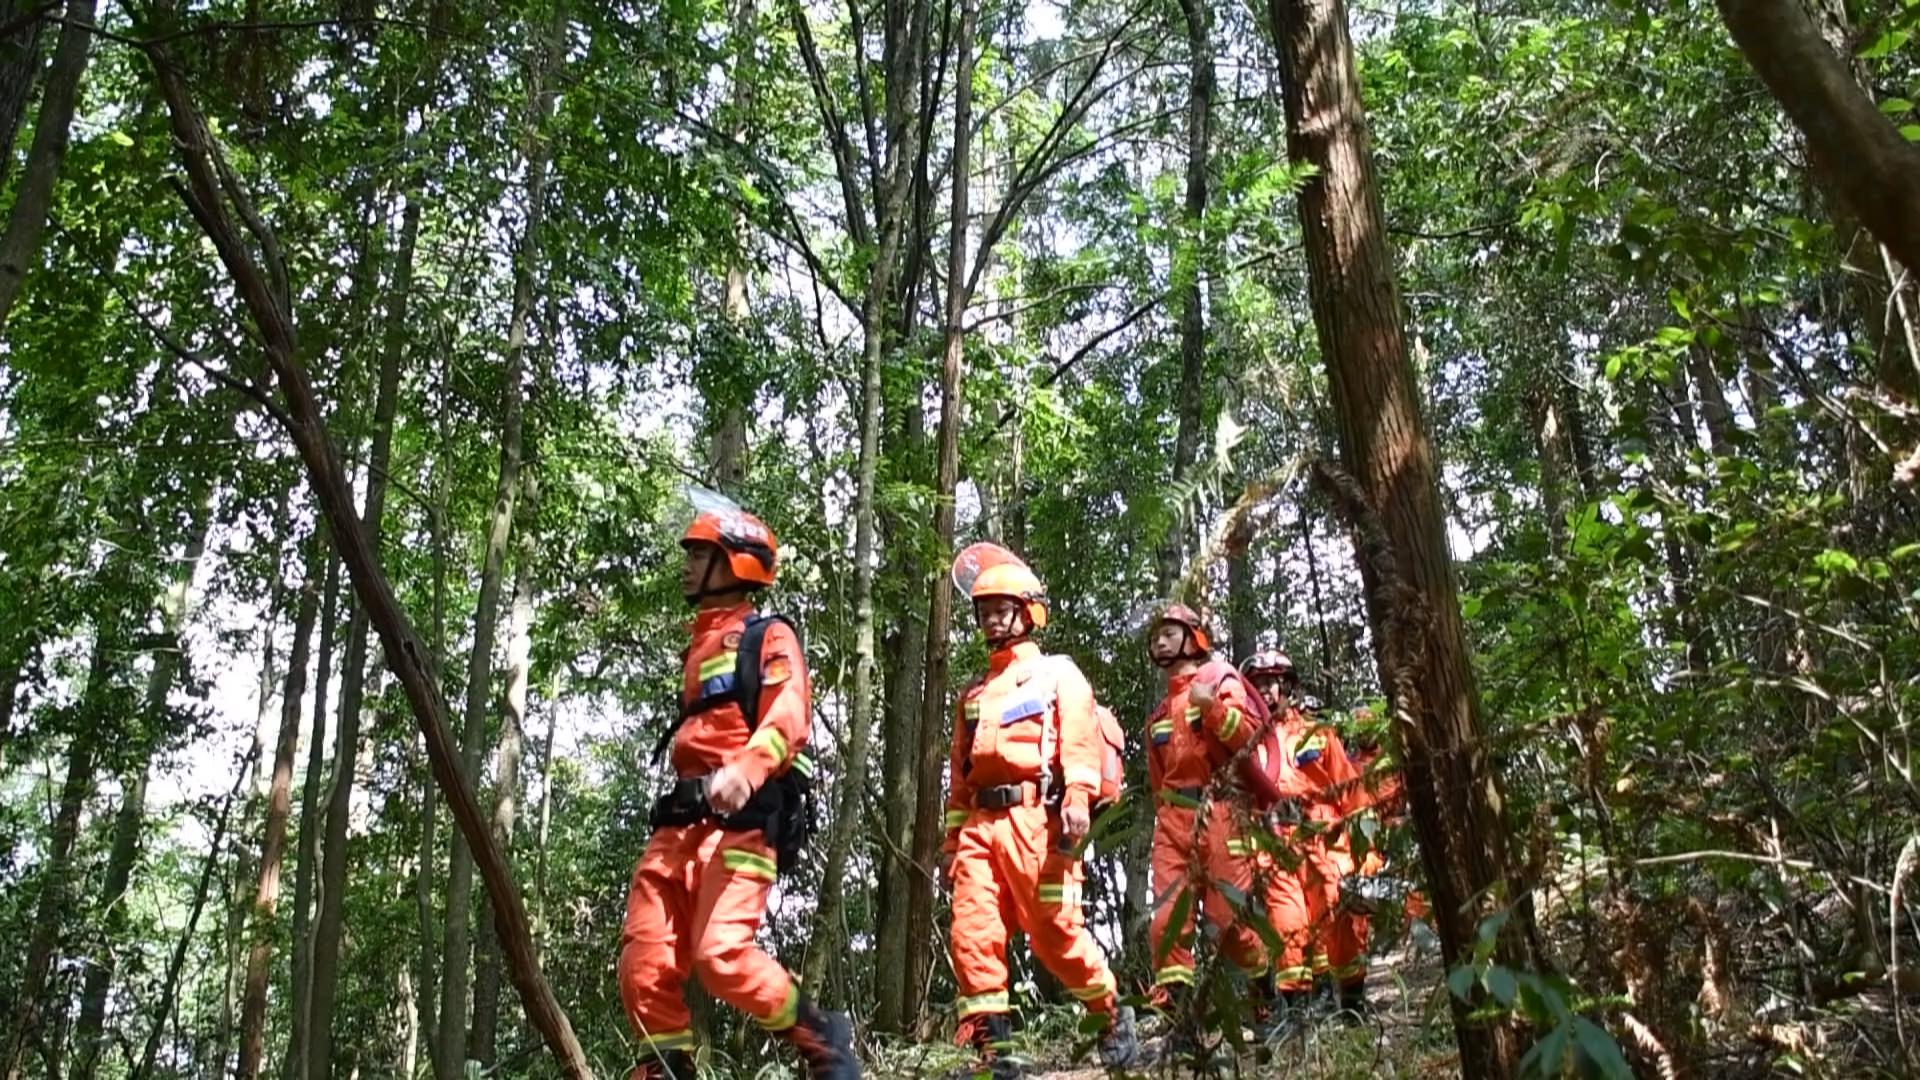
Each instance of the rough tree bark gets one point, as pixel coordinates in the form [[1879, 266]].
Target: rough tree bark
[[273, 840], [451, 1030], [213, 204], [1872, 168], [729, 450], [27, 221], [19, 66], [1356, 308]]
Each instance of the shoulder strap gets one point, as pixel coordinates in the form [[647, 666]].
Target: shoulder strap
[[746, 665]]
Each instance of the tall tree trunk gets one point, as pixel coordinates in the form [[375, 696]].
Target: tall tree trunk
[[170, 982], [325, 969], [506, 792], [130, 821], [27, 221], [214, 206], [1722, 433], [1189, 257], [1383, 441], [929, 824], [1872, 168], [730, 430], [452, 1027], [307, 857], [24, 1033], [1243, 607], [273, 841], [19, 67]]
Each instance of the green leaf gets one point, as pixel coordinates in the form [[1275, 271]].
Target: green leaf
[[1895, 106], [1502, 985], [1548, 1057], [1601, 1051], [1460, 981], [1910, 132], [1885, 44], [119, 138]]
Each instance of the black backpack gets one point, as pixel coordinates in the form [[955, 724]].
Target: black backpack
[[783, 808]]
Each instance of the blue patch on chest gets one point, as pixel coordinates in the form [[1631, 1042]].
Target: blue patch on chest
[[1022, 710]]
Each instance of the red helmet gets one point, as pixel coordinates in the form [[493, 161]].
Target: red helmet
[[1182, 615], [1269, 662], [752, 552]]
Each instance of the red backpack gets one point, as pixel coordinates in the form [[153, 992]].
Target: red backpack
[[1265, 768]]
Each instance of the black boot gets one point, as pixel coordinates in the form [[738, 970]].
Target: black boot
[[667, 1065], [1291, 1013], [825, 1042], [1120, 1046], [1353, 1001], [994, 1039]]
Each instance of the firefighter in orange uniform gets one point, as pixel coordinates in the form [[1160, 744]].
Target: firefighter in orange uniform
[[1385, 792], [1303, 890], [700, 890], [1026, 763], [1197, 843]]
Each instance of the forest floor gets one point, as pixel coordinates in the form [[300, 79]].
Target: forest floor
[[1406, 1037]]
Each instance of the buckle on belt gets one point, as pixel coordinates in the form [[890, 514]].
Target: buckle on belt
[[1000, 798]]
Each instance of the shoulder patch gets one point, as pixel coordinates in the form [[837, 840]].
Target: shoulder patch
[[776, 670], [731, 640]]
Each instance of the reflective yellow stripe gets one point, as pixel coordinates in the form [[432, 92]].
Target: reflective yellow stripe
[[1093, 991], [651, 1045], [971, 710], [1164, 727], [1239, 847], [1193, 713], [956, 818], [772, 742], [1060, 893], [1169, 976], [789, 1011], [1230, 725], [802, 763], [992, 1002], [1315, 741], [1358, 967], [717, 665], [749, 862], [1293, 974]]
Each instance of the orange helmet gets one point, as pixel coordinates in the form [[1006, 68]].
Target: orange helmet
[[1269, 662], [1182, 615], [752, 552], [986, 569], [1017, 581]]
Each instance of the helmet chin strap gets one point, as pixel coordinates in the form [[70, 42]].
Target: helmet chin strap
[[706, 588]]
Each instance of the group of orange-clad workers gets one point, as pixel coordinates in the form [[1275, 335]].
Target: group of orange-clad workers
[[1033, 759]]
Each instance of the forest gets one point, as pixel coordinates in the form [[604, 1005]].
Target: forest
[[1544, 374]]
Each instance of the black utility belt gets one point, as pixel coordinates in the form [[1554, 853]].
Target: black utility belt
[[686, 804], [1193, 793], [1007, 796]]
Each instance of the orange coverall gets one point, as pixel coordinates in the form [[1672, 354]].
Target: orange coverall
[[699, 891], [1302, 899], [1029, 713], [1185, 744], [1387, 793]]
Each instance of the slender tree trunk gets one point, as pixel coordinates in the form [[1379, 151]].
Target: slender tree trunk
[[730, 433], [27, 221], [273, 842], [1189, 257], [325, 969], [214, 206], [932, 742], [1383, 441], [130, 821], [506, 795], [1722, 433], [1243, 607], [1553, 469], [452, 1028], [24, 1033], [307, 857], [899, 765], [170, 982]]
